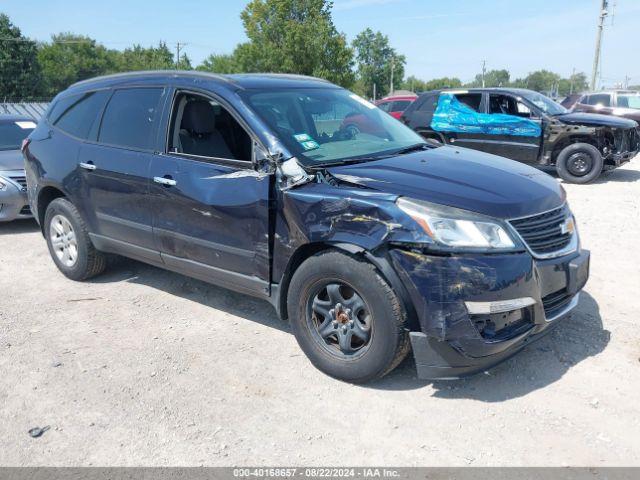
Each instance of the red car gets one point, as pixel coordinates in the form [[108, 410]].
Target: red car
[[395, 105]]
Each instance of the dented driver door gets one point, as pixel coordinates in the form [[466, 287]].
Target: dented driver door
[[211, 220]]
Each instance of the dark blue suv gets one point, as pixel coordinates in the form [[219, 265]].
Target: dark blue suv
[[367, 239]]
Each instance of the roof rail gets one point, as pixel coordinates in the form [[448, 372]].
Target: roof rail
[[143, 73]]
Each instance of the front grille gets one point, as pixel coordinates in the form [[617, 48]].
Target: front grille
[[544, 232], [555, 301], [22, 181], [626, 140]]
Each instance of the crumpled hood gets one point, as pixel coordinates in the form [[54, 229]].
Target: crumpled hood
[[461, 178], [11, 160], [595, 120]]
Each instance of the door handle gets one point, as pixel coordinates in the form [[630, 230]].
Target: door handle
[[166, 181], [87, 166]]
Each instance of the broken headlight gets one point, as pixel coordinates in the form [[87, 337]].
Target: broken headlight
[[453, 228]]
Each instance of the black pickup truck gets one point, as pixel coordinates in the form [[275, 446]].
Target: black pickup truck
[[526, 126]]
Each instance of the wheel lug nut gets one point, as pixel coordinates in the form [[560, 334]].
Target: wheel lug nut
[[351, 323], [344, 329], [335, 324]]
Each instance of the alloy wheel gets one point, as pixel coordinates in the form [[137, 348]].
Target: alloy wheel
[[63, 240]]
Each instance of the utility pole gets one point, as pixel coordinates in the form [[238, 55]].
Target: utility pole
[[178, 48], [393, 65], [573, 77], [484, 70], [596, 58], [626, 82], [374, 92]]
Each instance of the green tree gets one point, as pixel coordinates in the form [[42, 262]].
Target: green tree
[[69, 58], [444, 82], [416, 85], [220, 63], [140, 58], [294, 36], [576, 83], [540, 81], [492, 78], [184, 63], [20, 76], [375, 60]]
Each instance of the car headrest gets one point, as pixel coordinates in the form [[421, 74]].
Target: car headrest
[[199, 117]]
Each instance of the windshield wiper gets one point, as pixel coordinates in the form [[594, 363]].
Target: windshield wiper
[[349, 161], [412, 148]]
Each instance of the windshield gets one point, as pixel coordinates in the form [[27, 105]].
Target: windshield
[[330, 125], [545, 104], [630, 100], [12, 134]]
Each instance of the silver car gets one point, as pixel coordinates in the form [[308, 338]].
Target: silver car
[[13, 186]]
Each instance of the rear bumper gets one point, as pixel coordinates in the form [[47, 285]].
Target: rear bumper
[[14, 203], [456, 338]]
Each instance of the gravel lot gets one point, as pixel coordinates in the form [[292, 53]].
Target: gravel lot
[[145, 367]]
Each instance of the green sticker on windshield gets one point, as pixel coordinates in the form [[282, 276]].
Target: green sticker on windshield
[[303, 137], [310, 145], [306, 141]]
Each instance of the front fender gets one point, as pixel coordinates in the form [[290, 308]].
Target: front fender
[[358, 221]]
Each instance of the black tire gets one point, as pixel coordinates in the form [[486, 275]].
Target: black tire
[[89, 262], [388, 342], [579, 163]]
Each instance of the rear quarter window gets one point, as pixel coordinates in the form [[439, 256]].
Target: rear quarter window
[[76, 114], [129, 117]]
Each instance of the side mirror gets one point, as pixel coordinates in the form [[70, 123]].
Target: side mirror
[[262, 160]]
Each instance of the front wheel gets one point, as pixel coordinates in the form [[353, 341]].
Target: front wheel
[[346, 318], [579, 163]]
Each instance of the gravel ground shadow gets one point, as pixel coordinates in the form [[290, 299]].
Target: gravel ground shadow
[[17, 227], [575, 339], [237, 304]]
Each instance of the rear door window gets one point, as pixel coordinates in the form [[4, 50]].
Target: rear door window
[[129, 118], [471, 100], [76, 114]]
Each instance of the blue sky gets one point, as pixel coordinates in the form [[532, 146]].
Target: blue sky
[[439, 38]]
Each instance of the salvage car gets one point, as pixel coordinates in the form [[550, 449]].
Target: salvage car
[[526, 126], [368, 243], [13, 185], [619, 103]]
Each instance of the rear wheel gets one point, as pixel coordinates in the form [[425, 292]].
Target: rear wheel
[[69, 243], [346, 318], [579, 163]]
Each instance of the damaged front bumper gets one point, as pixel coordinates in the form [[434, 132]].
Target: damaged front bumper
[[476, 311]]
